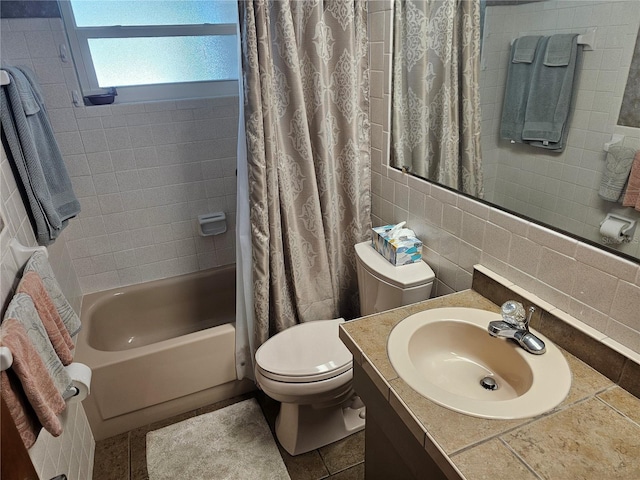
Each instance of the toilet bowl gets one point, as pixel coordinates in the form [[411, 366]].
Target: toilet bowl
[[309, 370]]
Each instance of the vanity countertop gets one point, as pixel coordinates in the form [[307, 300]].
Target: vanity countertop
[[594, 433]]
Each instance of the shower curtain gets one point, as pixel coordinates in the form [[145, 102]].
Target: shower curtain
[[436, 91], [306, 114]]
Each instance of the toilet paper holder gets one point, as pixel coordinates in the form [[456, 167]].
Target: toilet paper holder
[[626, 232]]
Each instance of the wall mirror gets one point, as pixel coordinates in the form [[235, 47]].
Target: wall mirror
[[559, 190]]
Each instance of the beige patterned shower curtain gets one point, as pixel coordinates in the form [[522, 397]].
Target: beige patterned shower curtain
[[306, 87], [436, 98]]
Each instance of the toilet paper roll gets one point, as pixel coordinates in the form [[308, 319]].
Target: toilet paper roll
[[81, 379], [612, 228]]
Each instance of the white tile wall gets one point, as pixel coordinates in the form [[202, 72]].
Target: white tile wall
[[598, 288], [561, 189], [142, 172], [72, 452]]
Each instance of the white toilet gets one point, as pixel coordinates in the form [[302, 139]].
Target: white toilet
[[309, 370]]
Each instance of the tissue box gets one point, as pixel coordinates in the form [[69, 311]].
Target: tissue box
[[398, 251]]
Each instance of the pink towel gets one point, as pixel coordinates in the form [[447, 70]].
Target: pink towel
[[27, 388], [632, 194], [32, 285]]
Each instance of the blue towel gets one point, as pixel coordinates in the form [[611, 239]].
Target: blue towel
[[559, 50], [550, 95], [524, 49], [517, 87], [36, 156]]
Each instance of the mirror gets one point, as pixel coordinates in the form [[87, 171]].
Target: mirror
[[630, 110], [560, 189]]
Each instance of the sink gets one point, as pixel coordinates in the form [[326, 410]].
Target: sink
[[447, 356]]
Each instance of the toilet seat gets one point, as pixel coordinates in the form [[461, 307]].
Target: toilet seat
[[320, 391], [308, 352]]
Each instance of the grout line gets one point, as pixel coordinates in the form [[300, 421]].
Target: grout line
[[522, 460], [612, 407], [345, 469]]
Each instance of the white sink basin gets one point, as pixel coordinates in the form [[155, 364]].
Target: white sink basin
[[445, 353]]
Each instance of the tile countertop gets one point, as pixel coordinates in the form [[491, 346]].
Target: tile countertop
[[594, 433]]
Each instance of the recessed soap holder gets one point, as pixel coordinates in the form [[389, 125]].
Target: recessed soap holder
[[212, 223]]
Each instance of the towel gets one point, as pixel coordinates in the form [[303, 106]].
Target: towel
[[559, 50], [517, 88], [36, 156], [524, 49], [31, 284], [616, 172], [28, 390], [24, 311], [632, 193], [40, 264], [551, 93]]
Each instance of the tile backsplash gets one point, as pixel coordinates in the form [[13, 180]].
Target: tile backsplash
[[142, 172], [598, 288]]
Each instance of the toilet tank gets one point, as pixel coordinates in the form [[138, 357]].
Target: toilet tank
[[383, 286]]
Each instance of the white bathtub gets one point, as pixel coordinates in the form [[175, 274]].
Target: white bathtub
[[159, 349]]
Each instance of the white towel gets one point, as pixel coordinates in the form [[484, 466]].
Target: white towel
[[616, 172]]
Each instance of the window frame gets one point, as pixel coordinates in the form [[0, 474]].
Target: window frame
[[78, 38]]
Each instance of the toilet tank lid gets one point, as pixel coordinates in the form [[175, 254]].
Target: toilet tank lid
[[402, 276]]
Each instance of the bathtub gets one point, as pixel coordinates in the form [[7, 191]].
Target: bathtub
[[159, 349]]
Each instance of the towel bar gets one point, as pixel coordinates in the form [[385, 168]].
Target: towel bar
[[6, 359], [615, 140], [587, 40], [4, 78], [21, 253]]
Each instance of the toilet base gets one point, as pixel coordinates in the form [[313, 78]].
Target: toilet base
[[302, 428]]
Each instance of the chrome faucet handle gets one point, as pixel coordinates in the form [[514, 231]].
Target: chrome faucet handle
[[514, 314], [515, 326], [532, 310]]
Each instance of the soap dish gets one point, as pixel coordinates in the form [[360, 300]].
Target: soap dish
[[102, 98]]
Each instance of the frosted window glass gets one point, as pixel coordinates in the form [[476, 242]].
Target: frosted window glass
[[149, 61], [105, 13]]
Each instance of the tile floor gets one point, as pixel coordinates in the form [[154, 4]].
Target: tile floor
[[123, 457]]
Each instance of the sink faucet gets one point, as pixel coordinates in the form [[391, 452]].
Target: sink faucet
[[515, 325]]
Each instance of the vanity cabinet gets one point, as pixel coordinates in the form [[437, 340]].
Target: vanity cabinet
[[391, 450], [593, 433]]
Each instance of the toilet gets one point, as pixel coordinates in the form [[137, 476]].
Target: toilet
[[308, 369]]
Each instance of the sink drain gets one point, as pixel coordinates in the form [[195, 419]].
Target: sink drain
[[489, 383]]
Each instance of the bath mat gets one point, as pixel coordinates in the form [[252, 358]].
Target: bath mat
[[232, 443]]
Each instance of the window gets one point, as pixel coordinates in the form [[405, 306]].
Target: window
[[154, 49]]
